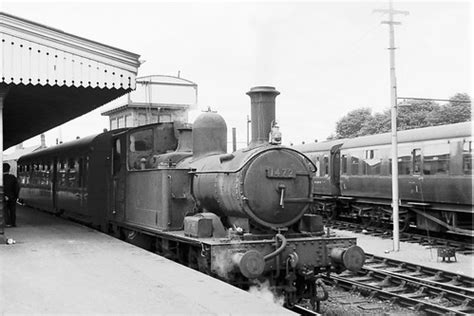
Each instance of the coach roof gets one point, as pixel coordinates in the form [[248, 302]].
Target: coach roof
[[419, 134]]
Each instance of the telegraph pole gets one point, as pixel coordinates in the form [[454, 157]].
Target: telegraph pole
[[393, 97]]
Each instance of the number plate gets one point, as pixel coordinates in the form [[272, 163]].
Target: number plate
[[281, 173]]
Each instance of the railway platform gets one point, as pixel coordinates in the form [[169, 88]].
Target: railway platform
[[60, 267], [412, 253]]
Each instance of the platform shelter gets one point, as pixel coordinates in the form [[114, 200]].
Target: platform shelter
[[48, 77]]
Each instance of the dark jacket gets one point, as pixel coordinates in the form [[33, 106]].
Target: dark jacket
[[10, 186]]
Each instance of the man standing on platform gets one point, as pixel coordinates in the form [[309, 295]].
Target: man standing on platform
[[11, 190]]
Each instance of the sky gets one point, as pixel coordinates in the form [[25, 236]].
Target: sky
[[325, 57]]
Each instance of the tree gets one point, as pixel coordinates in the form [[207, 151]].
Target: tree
[[378, 123], [351, 124], [454, 111], [415, 114], [411, 114]]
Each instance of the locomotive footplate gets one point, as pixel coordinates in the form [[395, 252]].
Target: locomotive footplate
[[291, 265], [253, 258], [253, 255]]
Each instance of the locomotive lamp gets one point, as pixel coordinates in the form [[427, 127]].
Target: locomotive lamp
[[275, 134]]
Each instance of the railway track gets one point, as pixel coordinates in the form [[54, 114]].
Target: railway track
[[463, 247], [420, 288]]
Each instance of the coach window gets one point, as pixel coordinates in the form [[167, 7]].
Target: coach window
[[34, 173], [26, 168], [416, 153], [344, 164], [403, 162], [355, 160], [28, 174], [41, 173], [436, 159], [372, 162], [467, 157], [71, 168], [70, 173], [62, 172], [85, 171], [326, 165], [47, 173], [80, 172]]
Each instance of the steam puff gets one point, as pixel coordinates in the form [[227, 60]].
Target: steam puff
[[263, 291], [223, 264]]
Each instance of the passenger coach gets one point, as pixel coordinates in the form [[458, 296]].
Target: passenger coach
[[69, 178], [435, 177]]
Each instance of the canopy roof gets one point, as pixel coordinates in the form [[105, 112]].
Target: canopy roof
[[51, 77]]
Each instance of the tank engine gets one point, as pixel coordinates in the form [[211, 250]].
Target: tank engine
[[240, 216]]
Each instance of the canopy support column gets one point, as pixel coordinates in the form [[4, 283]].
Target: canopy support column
[[3, 94]]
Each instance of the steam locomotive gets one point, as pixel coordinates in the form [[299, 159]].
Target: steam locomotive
[[435, 178], [174, 189]]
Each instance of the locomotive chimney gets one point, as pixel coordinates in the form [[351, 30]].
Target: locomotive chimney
[[262, 112]]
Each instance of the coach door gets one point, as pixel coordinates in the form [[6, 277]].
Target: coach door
[[54, 184], [335, 171], [416, 179], [119, 168]]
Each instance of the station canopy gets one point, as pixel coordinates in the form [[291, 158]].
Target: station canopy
[[49, 77]]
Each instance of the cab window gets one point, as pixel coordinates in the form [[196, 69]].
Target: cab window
[[141, 141], [140, 149]]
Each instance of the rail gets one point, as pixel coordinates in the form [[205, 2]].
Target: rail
[[423, 288]]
